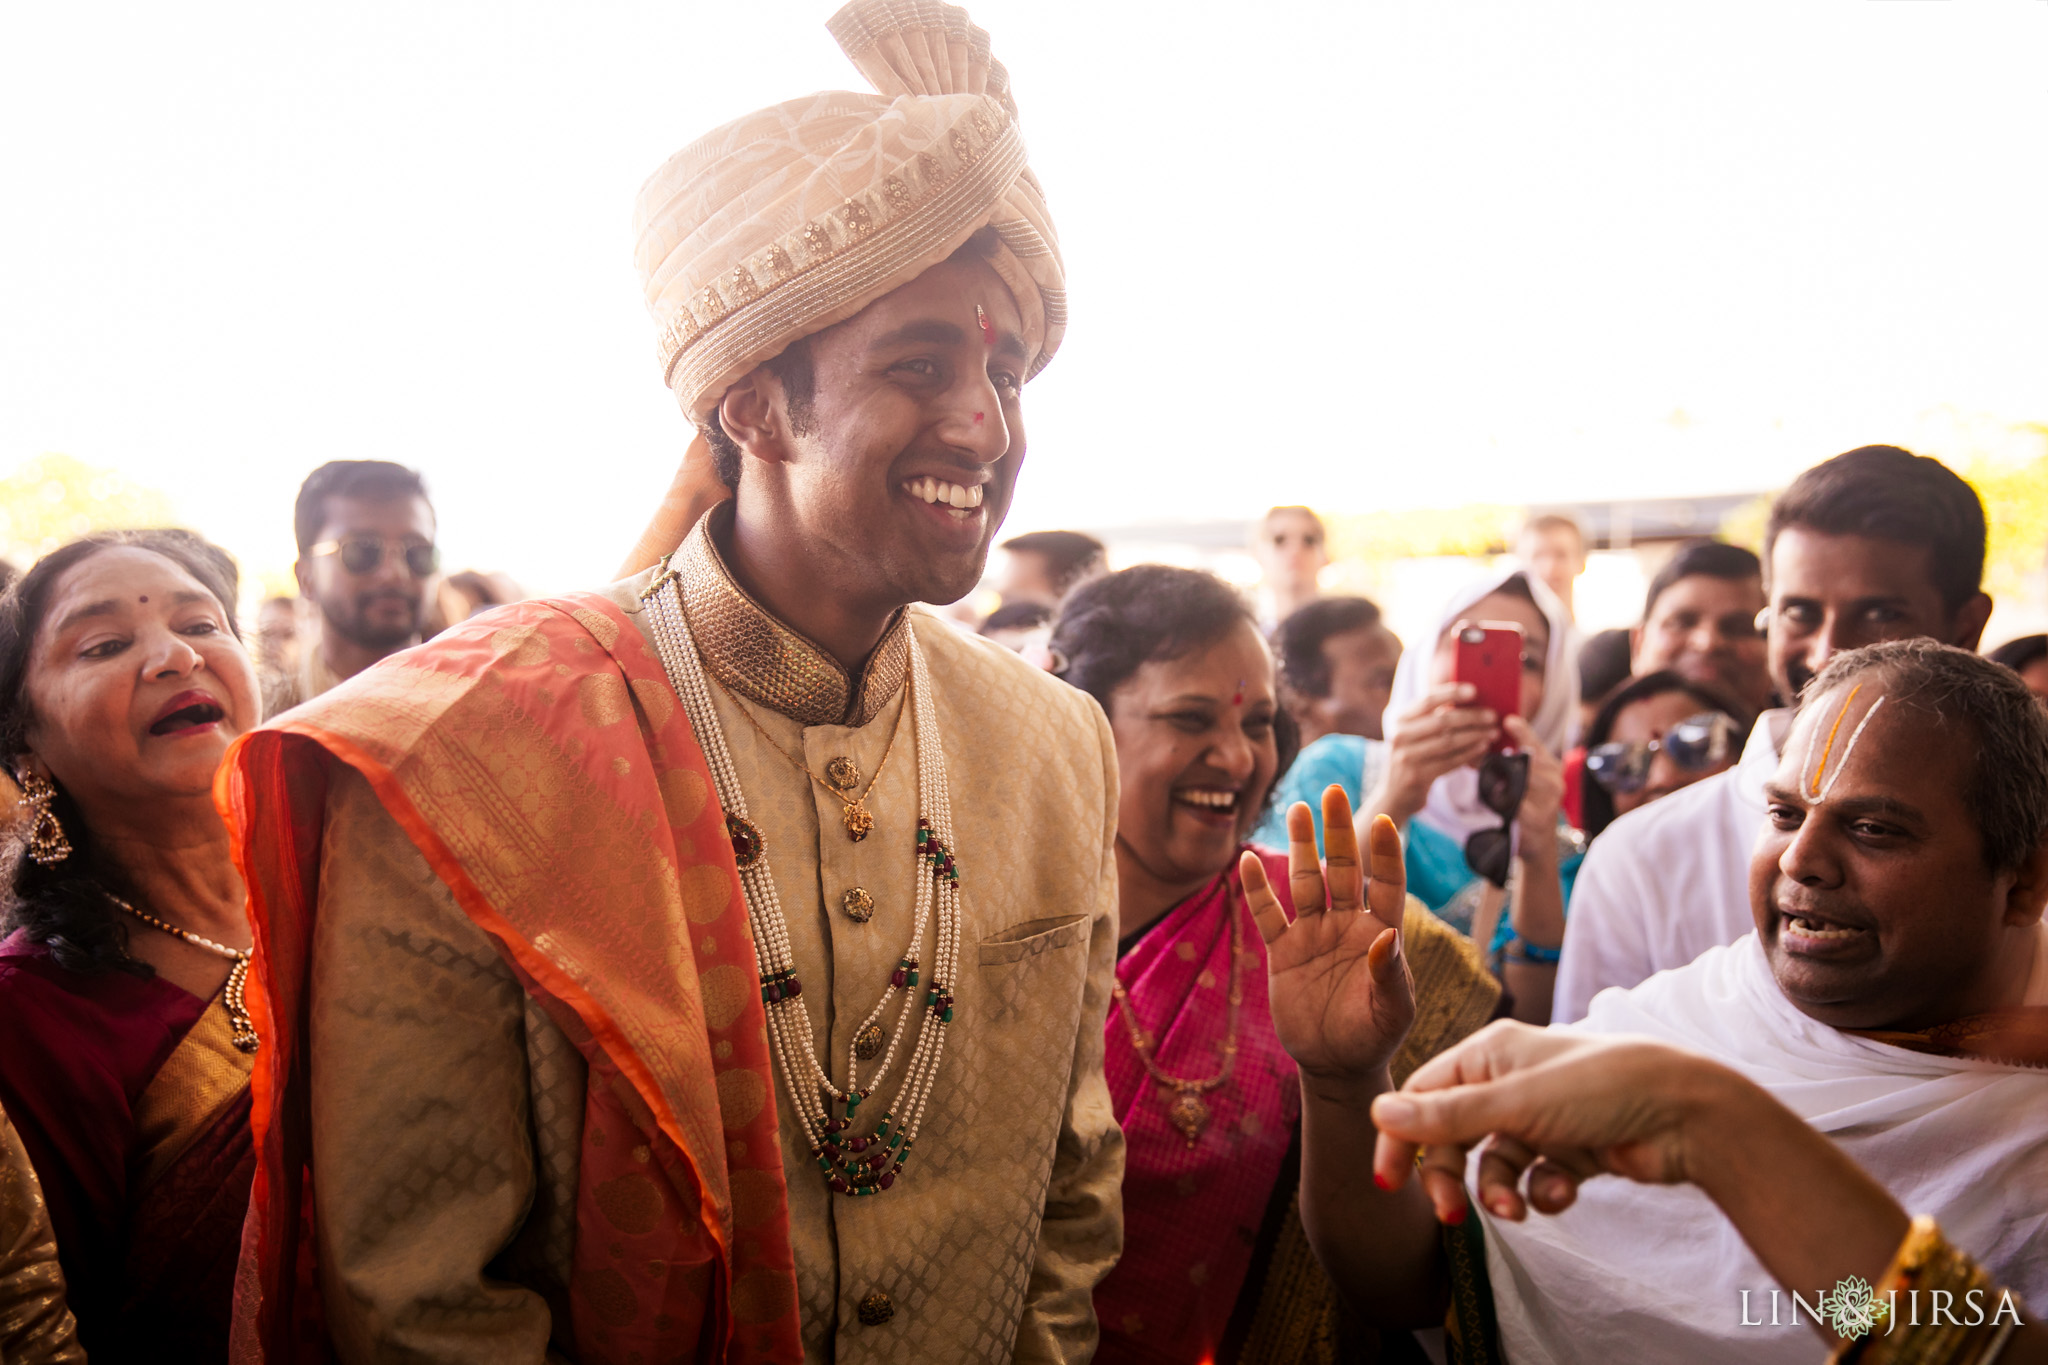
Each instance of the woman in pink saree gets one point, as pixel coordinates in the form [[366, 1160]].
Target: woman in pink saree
[[1215, 1266], [128, 1047]]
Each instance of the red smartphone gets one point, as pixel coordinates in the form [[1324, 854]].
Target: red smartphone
[[1490, 658]]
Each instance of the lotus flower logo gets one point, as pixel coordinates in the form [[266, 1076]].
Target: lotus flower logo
[[1853, 1308]]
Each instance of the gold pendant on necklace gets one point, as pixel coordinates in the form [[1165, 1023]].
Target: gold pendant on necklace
[[858, 821], [867, 1044], [1188, 1114]]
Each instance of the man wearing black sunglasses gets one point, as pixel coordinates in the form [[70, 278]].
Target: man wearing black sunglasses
[[1876, 544], [366, 558]]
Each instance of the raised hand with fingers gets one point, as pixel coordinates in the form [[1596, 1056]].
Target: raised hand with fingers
[[1341, 997]]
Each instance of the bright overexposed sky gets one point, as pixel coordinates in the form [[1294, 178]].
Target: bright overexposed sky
[[1364, 255]]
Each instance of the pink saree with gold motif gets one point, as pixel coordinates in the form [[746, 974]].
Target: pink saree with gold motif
[[538, 759], [1193, 1210]]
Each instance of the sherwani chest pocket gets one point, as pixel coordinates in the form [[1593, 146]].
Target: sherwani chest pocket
[[1026, 968]]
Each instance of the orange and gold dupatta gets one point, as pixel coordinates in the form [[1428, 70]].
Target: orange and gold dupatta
[[539, 760]]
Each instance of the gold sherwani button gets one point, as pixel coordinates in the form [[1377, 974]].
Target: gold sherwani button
[[876, 1309], [843, 773], [858, 905]]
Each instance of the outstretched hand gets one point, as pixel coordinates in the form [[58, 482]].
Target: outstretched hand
[[1341, 997], [1558, 1107]]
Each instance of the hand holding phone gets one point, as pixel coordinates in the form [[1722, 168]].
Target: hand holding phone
[[1489, 656]]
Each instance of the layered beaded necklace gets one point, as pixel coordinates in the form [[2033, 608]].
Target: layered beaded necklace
[[854, 1164], [233, 995]]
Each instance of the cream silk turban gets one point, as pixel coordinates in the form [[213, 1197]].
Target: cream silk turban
[[796, 217]]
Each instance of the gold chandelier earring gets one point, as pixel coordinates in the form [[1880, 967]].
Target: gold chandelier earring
[[47, 843]]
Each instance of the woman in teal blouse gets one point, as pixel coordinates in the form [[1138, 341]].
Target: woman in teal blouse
[[1425, 777]]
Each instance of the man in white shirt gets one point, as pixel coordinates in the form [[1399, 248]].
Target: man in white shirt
[[1875, 544]]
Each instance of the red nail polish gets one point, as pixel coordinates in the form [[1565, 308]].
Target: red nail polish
[[1457, 1216], [1382, 1181]]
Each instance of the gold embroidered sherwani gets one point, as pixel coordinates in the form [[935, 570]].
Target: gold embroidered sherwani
[[447, 1108]]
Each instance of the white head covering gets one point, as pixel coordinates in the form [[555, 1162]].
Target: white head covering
[[1453, 807], [1655, 1273]]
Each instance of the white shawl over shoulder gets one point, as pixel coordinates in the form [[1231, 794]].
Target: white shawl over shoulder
[[1649, 1273]]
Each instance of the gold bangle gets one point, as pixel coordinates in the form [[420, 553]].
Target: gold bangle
[[1927, 1263]]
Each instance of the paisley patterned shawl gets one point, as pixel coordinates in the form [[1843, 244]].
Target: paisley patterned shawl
[[538, 759]]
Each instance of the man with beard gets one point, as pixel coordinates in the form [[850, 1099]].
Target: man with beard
[[366, 552], [715, 967], [1875, 544]]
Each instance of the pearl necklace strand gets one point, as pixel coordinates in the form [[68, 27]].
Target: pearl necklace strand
[[854, 1165]]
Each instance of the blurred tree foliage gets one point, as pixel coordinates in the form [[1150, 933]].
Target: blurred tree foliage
[[1477, 529], [54, 498], [2008, 467], [2015, 494]]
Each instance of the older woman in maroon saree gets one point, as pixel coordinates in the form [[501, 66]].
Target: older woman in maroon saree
[[1215, 1264], [128, 1053]]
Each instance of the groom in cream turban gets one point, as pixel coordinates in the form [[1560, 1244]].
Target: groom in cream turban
[[714, 967]]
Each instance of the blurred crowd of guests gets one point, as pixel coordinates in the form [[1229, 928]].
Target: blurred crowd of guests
[[1610, 721]]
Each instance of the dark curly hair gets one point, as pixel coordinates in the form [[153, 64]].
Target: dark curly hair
[[65, 905], [1112, 626]]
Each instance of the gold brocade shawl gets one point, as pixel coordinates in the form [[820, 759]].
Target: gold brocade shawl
[[35, 1325], [1298, 1320], [537, 758]]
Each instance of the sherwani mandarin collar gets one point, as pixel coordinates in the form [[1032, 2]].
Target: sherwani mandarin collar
[[753, 654]]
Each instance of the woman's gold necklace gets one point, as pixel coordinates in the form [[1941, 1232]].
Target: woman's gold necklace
[[234, 995], [841, 775], [1189, 1112]]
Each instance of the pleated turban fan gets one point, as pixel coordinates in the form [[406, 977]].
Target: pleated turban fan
[[795, 217]]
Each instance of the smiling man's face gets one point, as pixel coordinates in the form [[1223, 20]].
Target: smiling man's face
[[903, 466], [1869, 885]]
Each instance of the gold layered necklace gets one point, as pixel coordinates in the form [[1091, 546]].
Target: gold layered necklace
[[1188, 1112], [842, 775], [233, 995]]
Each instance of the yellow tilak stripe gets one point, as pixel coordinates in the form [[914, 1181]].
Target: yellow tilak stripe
[[1826, 749]]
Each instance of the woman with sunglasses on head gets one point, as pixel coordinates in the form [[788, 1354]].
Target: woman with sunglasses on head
[[1653, 735], [1487, 849], [122, 970], [1215, 1264]]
